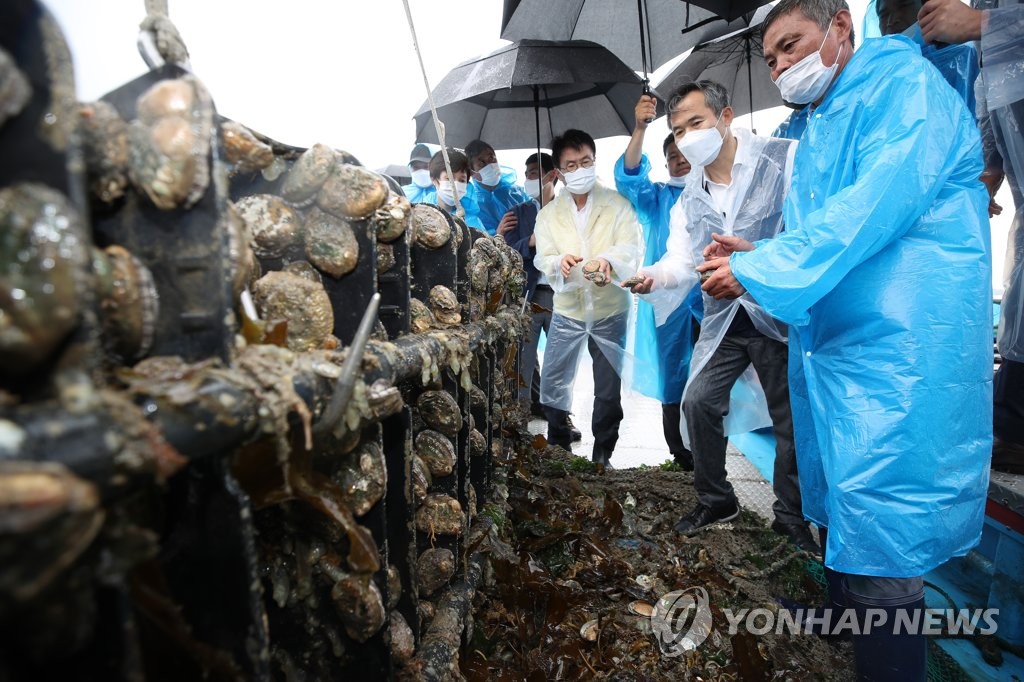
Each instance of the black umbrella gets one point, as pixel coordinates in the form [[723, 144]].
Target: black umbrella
[[531, 90], [737, 62], [672, 26]]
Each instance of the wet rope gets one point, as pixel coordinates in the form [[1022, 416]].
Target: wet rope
[[438, 125], [163, 35]]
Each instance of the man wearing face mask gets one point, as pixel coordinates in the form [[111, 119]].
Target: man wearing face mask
[[884, 276], [736, 189], [517, 228], [421, 190], [446, 189], [662, 353], [494, 188], [586, 236]]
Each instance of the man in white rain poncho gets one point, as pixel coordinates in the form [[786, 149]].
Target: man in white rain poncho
[[585, 238], [736, 188], [884, 275]]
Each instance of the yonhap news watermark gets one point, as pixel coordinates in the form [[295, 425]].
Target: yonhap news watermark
[[683, 619]]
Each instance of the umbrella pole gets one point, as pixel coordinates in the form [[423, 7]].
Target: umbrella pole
[[750, 85], [540, 164], [643, 46]]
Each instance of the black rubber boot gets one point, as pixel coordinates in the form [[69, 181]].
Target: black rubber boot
[[887, 652]]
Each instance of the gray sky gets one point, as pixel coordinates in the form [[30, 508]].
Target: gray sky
[[340, 72]]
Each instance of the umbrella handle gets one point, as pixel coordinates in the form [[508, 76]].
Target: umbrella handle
[[647, 91]]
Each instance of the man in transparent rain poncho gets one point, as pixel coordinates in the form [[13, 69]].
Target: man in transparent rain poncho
[[735, 190], [884, 275], [586, 238]]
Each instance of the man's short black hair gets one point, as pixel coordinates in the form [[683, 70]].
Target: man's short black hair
[[474, 148], [547, 164], [570, 139], [671, 139], [456, 158]]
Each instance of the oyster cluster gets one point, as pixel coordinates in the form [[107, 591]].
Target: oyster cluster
[[445, 306]]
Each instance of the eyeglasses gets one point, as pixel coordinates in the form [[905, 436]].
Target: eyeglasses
[[573, 166]]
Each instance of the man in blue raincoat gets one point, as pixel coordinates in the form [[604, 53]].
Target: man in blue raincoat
[[883, 274], [421, 190], [494, 187], [662, 353]]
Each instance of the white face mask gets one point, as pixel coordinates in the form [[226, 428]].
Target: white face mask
[[444, 191], [677, 180], [421, 178], [532, 187], [808, 79], [701, 147], [581, 180], [490, 174]]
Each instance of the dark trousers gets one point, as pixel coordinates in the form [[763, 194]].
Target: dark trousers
[[607, 401], [670, 426], [1008, 398], [529, 374], [706, 402]]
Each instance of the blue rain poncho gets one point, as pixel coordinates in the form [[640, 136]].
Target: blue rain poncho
[[420, 195], [492, 205], [883, 274], [661, 355]]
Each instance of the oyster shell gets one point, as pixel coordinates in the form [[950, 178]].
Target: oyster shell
[[303, 304], [403, 643], [440, 515], [352, 192], [589, 631], [364, 484], [305, 270], [170, 142], [444, 305], [385, 257], [391, 219], [15, 90], [359, 605], [426, 611], [42, 265], [274, 225], [477, 443], [434, 568], [394, 586], [477, 398], [308, 174], [243, 150], [440, 412], [105, 144], [420, 317], [128, 301], [421, 481], [471, 501], [436, 451], [592, 272], [430, 228], [330, 243]]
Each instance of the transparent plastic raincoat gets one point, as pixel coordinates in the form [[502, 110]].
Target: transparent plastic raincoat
[[661, 355], [491, 205], [883, 275], [760, 175], [583, 310]]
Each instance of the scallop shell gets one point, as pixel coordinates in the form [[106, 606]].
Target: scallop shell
[[444, 305], [105, 144], [591, 271], [434, 568], [477, 398], [305, 270], [128, 302], [274, 225], [392, 219], [440, 515], [243, 150], [308, 174], [631, 282], [170, 143], [15, 90], [330, 243], [364, 483], [385, 257], [352, 191], [477, 443], [440, 412], [421, 481], [640, 608], [359, 605], [303, 304], [436, 451], [430, 228], [42, 265], [420, 317]]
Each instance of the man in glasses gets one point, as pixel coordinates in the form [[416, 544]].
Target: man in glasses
[[586, 237]]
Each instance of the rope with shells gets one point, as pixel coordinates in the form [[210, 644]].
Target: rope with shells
[[438, 125], [162, 35]]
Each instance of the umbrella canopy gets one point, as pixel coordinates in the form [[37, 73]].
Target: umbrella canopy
[[531, 90], [672, 26], [400, 173], [737, 62]]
